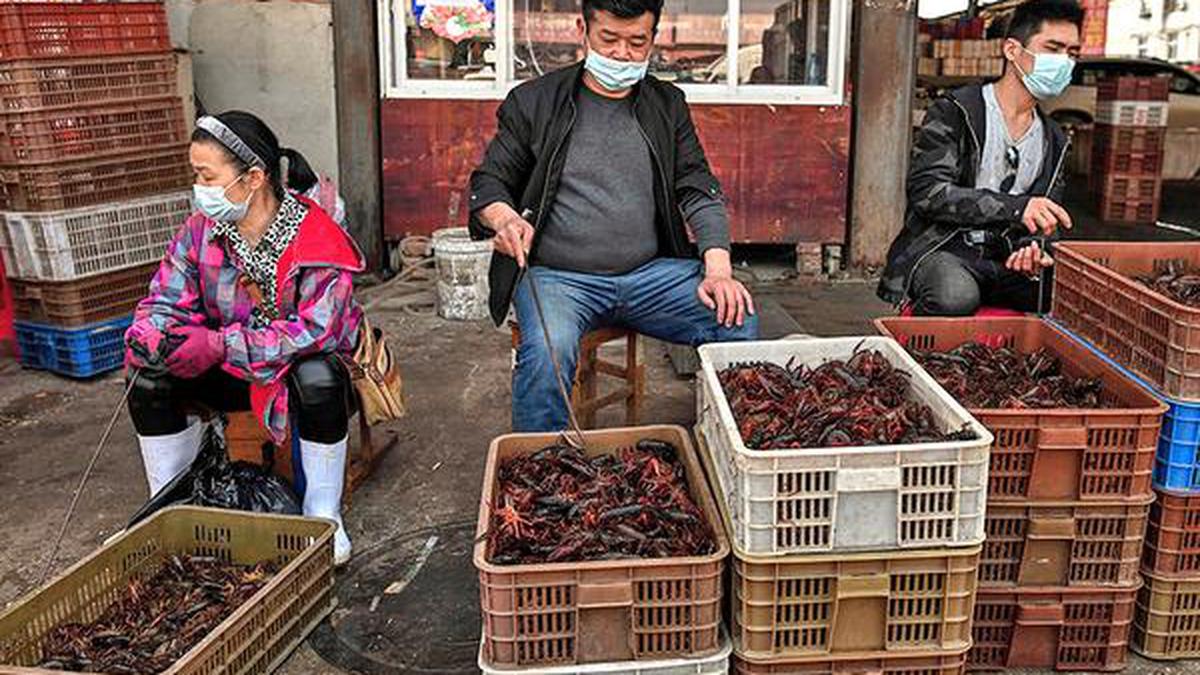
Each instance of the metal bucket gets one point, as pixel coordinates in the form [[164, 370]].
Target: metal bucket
[[462, 281]]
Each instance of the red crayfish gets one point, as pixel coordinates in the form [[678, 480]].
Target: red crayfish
[[559, 505], [860, 401]]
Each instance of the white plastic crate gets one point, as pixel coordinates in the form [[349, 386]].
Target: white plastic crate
[[717, 664], [66, 245], [1132, 113], [871, 498]]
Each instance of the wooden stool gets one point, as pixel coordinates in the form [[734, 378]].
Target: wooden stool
[[246, 440], [584, 397]]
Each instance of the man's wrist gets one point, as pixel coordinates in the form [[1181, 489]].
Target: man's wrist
[[717, 264]]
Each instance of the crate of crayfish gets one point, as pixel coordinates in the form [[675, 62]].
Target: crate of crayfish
[[1068, 425], [1139, 303], [608, 552], [189, 590], [839, 444]]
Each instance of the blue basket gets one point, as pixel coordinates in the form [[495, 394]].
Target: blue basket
[[1177, 464], [76, 352]]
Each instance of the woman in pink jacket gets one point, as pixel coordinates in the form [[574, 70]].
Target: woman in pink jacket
[[251, 309]]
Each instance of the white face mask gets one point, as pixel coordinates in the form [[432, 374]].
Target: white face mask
[[612, 74], [214, 203]]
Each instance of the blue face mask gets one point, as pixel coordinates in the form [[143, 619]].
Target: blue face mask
[[213, 202], [612, 74], [1050, 77]]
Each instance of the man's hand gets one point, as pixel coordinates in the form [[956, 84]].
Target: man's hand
[[514, 235], [1043, 216], [721, 292], [1030, 260]]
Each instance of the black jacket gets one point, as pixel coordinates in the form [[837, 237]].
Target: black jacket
[[524, 162], [942, 199]]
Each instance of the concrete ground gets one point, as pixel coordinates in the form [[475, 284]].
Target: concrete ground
[[408, 600]]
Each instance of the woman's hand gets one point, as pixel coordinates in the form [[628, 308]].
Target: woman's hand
[[200, 350]]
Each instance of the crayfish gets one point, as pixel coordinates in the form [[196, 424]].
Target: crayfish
[[1176, 280], [559, 505], [157, 620], [982, 376], [860, 401]]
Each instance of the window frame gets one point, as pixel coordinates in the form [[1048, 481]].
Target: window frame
[[395, 83]]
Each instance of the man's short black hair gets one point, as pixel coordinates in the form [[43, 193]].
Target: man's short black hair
[[625, 9], [1026, 21]]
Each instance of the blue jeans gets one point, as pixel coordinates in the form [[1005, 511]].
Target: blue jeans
[[657, 299]]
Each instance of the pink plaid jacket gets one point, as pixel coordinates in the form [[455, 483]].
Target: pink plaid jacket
[[199, 283]]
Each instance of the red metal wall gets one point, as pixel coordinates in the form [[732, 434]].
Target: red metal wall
[[784, 168]]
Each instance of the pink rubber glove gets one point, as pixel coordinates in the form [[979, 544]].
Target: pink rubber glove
[[201, 350]]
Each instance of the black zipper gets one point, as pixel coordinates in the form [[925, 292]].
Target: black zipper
[[658, 164]]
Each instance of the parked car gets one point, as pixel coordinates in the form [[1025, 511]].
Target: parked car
[[1077, 106]]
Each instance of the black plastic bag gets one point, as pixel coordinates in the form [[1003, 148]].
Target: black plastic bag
[[212, 480]]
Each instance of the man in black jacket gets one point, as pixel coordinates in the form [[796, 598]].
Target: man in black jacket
[[986, 181], [589, 181]]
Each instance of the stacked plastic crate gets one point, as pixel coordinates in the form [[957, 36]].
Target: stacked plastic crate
[[93, 172], [1128, 147], [1069, 492], [851, 559], [1156, 340]]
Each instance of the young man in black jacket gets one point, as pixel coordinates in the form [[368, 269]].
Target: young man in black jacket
[[587, 186], [986, 181]]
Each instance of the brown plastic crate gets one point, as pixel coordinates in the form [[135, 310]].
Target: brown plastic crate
[[91, 131], [1053, 454], [1069, 545], [1133, 88], [1173, 536], [57, 29], [1166, 625], [596, 611], [1095, 295], [67, 185], [82, 301], [1122, 139], [1059, 628], [58, 83], [865, 605], [257, 638], [1128, 212], [920, 663]]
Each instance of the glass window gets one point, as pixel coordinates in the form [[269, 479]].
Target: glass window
[[784, 42], [691, 39], [450, 39]]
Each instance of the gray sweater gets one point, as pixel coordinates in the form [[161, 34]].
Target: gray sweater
[[602, 218]]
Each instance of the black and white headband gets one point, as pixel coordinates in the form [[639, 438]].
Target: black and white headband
[[230, 140]]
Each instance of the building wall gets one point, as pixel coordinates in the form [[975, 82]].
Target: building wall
[[783, 168], [1130, 33], [271, 57]]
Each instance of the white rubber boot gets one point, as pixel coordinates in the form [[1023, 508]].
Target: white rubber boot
[[324, 475], [165, 457]]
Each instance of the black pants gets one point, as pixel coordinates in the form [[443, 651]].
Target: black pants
[[319, 388], [958, 279]]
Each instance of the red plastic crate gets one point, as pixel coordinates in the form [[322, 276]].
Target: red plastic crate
[[1061, 454], [58, 83], [33, 30], [1133, 88], [67, 185], [1136, 151], [1126, 198], [91, 131], [1067, 545], [1063, 629], [1173, 536]]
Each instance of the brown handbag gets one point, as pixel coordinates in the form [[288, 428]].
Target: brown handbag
[[376, 377]]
